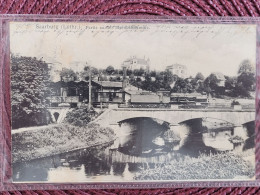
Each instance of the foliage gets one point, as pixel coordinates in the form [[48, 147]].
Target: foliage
[[246, 67], [183, 86], [87, 71], [218, 166], [234, 102], [212, 86], [199, 76], [230, 82], [139, 72], [68, 74], [30, 79], [162, 80], [239, 86], [110, 70], [211, 83], [56, 139], [247, 80], [80, 116]]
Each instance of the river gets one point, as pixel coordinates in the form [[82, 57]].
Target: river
[[141, 142]]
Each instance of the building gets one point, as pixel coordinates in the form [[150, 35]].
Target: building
[[76, 93], [134, 63], [71, 93], [107, 92], [220, 79], [178, 69]]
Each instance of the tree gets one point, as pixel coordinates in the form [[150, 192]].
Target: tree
[[110, 70], [201, 87], [199, 77], [240, 91], [116, 71], [180, 86], [128, 72], [147, 83], [169, 78], [246, 67], [211, 84], [30, 79], [247, 80], [138, 72], [86, 72], [230, 82], [68, 74], [153, 73]]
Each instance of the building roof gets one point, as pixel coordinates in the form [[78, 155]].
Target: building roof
[[151, 98], [69, 84], [163, 90], [138, 92], [133, 92], [176, 66], [138, 60], [187, 95], [130, 89], [109, 84]]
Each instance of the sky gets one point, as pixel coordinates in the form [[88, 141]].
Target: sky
[[204, 48]]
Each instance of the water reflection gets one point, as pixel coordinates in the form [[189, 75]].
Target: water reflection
[[142, 137], [218, 140], [141, 143]]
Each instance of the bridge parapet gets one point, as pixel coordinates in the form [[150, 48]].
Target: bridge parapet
[[235, 117]]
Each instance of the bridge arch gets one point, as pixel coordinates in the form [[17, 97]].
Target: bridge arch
[[224, 120], [158, 120], [247, 122], [58, 113]]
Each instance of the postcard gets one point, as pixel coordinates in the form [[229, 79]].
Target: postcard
[[132, 102]]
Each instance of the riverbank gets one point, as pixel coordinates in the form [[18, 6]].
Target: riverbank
[[225, 165], [57, 139]]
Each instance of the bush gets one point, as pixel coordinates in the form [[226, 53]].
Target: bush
[[234, 102], [219, 166], [80, 116]]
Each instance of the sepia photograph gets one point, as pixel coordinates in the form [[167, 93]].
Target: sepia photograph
[[132, 102]]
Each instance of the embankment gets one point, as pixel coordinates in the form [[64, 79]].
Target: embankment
[[61, 138]]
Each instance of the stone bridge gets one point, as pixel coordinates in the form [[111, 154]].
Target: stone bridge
[[240, 119], [174, 117]]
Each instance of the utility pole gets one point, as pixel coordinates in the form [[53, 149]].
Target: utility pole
[[101, 91], [101, 106], [89, 89], [124, 84]]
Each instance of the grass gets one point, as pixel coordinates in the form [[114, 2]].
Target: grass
[[218, 166], [58, 139]]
